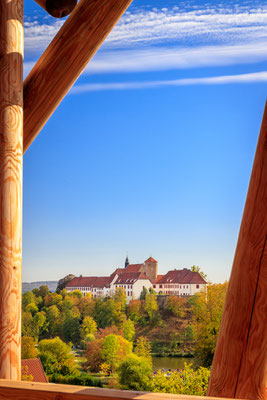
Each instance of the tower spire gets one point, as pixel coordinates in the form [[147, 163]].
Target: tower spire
[[126, 261]]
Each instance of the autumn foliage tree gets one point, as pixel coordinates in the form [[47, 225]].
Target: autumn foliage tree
[[176, 306], [207, 309], [28, 349], [56, 357], [143, 348], [114, 349]]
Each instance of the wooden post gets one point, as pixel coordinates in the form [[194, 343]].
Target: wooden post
[[11, 153], [239, 368], [65, 58], [57, 8]]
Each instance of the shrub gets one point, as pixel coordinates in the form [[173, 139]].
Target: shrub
[[186, 381], [81, 379], [135, 372]]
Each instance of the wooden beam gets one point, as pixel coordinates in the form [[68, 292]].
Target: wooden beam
[[65, 58], [57, 8], [11, 154], [240, 363], [43, 391]]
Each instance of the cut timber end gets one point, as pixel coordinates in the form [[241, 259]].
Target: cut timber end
[[239, 368], [65, 58], [58, 8], [11, 154]]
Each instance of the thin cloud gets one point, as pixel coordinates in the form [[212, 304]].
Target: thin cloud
[[167, 58], [171, 58], [176, 25], [218, 80]]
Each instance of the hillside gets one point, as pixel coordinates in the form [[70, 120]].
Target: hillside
[[172, 337], [52, 285]]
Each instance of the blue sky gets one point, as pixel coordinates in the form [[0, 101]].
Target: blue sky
[[151, 151]]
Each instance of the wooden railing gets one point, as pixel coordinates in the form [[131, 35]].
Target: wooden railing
[[10, 390]]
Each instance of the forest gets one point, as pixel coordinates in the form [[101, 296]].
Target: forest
[[107, 342]]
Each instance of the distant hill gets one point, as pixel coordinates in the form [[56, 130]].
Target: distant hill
[[52, 285]]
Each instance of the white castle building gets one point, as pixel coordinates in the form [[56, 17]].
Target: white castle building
[[133, 278]]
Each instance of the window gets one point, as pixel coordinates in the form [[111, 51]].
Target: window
[[197, 286]]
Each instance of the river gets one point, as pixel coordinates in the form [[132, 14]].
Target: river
[[171, 362]]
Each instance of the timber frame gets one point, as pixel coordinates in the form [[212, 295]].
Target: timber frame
[[239, 368]]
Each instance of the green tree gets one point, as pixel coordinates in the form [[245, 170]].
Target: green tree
[[196, 268], [26, 324], [143, 293], [33, 326], [56, 357], [114, 350], [135, 373], [52, 299], [32, 308], [28, 349], [186, 381], [39, 324], [88, 327], [189, 332], [120, 298], [151, 306], [134, 310], [86, 305], [104, 312], [43, 291], [129, 330], [207, 309], [27, 298], [176, 306], [71, 328], [53, 319], [143, 348]]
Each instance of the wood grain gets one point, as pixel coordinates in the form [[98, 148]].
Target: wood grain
[[57, 8], [240, 363], [65, 58], [43, 391], [11, 153]]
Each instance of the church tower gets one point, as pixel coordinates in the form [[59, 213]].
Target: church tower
[[126, 262]]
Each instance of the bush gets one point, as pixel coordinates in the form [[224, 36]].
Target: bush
[[186, 381], [81, 379], [135, 372]]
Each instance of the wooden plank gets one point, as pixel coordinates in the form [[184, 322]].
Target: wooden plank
[[240, 363], [11, 154], [57, 8], [65, 58], [44, 391]]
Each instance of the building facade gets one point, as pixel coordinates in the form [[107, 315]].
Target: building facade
[[133, 278], [182, 282]]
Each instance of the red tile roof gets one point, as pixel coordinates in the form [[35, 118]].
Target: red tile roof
[[134, 267], [174, 276], [33, 367], [151, 259], [90, 281], [182, 276], [117, 271], [130, 278], [193, 277], [159, 277]]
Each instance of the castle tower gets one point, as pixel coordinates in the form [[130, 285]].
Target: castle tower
[[151, 269]]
